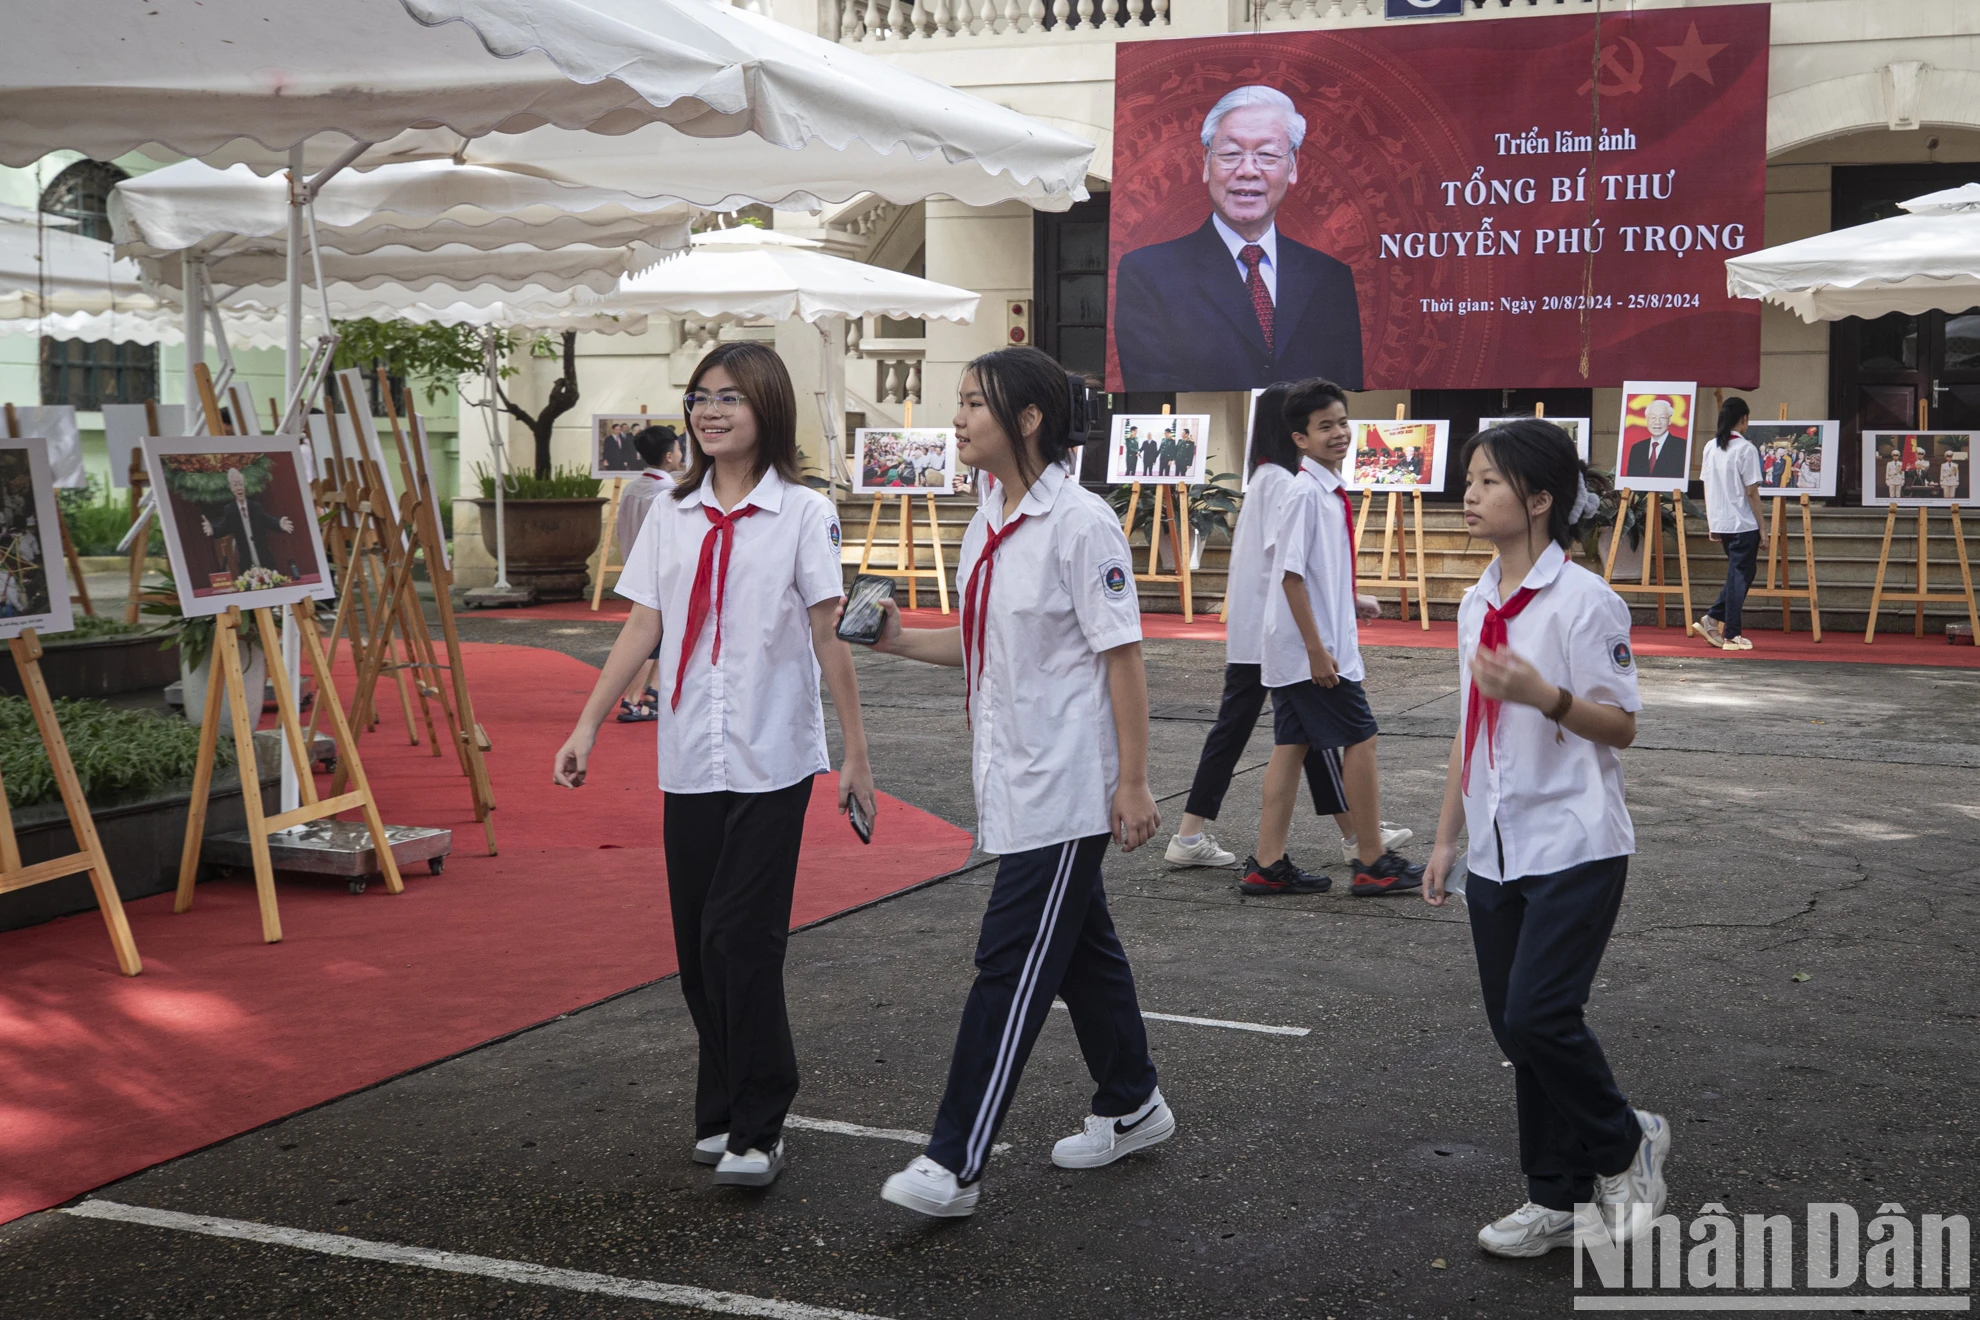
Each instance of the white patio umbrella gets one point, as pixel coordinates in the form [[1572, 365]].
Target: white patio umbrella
[[1925, 260]]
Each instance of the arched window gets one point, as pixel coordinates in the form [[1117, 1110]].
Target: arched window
[[89, 375]]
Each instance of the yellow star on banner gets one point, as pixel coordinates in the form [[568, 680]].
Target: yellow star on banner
[[1693, 57]]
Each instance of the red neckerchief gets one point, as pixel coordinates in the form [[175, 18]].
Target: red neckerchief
[[1478, 708], [973, 626], [705, 574]]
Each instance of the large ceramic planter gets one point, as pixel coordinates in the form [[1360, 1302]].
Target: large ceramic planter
[[103, 667], [550, 543]]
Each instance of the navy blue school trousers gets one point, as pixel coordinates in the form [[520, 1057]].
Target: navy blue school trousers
[[1046, 932], [1539, 940], [1237, 716]]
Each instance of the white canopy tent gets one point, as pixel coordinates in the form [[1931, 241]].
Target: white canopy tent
[[1925, 260], [47, 271]]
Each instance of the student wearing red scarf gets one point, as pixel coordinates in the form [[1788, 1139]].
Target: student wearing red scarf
[[735, 575], [1549, 693]]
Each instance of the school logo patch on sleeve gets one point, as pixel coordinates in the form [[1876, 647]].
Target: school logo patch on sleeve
[[1114, 580], [832, 530], [1620, 655]]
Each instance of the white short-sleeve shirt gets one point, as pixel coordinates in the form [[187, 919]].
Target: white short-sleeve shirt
[[636, 502], [754, 722], [1248, 589], [1548, 802], [1727, 473], [1046, 760], [1309, 534]]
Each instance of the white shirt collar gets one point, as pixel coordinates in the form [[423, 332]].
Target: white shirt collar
[[1545, 569], [1329, 479], [1235, 241], [767, 496], [1037, 501]]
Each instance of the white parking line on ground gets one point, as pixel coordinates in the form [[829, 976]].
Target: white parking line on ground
[[1260, 1027], [857, 1130], [454, 1262]]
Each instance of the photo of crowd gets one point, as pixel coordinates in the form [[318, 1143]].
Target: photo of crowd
[[917, 459], [1796, 458], [1158, 448], [1399, 455], [1918, 467]]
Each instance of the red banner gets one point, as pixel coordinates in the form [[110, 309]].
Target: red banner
[[1519, 203]]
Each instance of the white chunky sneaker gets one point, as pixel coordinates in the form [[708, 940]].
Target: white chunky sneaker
[[1531, 1230], [1393, 836], [1206, 851], [1629, 1200], [752, 1168], [1107, 1139], [927, 1188], [709, 1150]]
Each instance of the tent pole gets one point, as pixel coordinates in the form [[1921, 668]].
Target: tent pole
[[192, 278], [501, 476], [291, 373]]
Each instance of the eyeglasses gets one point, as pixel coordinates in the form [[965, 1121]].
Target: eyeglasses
[[1266, 162], [725, 402]]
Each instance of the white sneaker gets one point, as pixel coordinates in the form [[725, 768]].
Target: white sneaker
[[1531, 1230], [927, 1188], [752, 1168], [1629, 1200], [1206, 851], [1107, 1139], [1393, 836], [709, 1150]]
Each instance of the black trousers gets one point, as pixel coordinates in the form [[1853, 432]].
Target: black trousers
[[1046, 932], [1237, 716], [1539, 941], [731, 867], [1742, 553]]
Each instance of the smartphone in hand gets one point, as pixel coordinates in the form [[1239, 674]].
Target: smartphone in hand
[[862, 618], [857, 815]]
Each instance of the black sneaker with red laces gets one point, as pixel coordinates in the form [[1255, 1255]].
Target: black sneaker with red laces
[[1281, 877], [1390, 874]]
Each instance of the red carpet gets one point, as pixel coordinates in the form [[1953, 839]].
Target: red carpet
[[104, 1075]]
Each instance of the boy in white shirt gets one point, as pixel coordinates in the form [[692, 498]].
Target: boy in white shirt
[[1312, 657]]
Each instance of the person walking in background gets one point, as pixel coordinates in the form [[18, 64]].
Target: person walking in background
[[738, 572], [1273, 461], [1057, 702], [1731, 473], [1549, 698], [659, 448]]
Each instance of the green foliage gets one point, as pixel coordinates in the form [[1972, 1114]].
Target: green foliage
[[1212, 507], [566, 483], [193, 637], [202, 478], [436, 355], [115, 751], [94, 628], [1633, 522], [98, 518]]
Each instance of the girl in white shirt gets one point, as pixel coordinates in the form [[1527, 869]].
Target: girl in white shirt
[[1050, 648], [736, 577], [1549, 694], [1731, 473]]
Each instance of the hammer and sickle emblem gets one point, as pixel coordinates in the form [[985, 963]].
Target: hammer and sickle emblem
[[1627, 79]]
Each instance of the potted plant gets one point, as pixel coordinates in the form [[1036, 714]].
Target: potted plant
[[194, 640], [554, 525], [1601, 529], [99, 657], [1209, 508]]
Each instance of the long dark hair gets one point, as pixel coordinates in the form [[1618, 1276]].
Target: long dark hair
[[1534, 456], [1013, 379], [1732, 415], [765, 383], [1271, 438]]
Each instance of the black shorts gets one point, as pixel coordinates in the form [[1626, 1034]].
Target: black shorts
[[1306, 714]]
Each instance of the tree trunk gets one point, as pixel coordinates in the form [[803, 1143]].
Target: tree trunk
[[563, 397]]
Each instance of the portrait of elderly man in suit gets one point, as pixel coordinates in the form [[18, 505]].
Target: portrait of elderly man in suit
[[1236, 304]]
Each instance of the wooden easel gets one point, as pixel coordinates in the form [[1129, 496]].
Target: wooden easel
[[78, 588], [227, 677], [1922, 594], [608, 540], [1175, 514], [1653, 553], [89, 857], [904, 556], [1777, 581], [1395, 542]]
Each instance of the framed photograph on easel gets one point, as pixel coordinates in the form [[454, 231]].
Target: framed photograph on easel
[[1398, 456], [1654, 445], [34, 585], [1578, 428], [1797, 458], [239, 524]]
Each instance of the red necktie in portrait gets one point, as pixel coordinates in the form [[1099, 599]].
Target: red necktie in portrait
[[1254, 282], [707, 574]]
